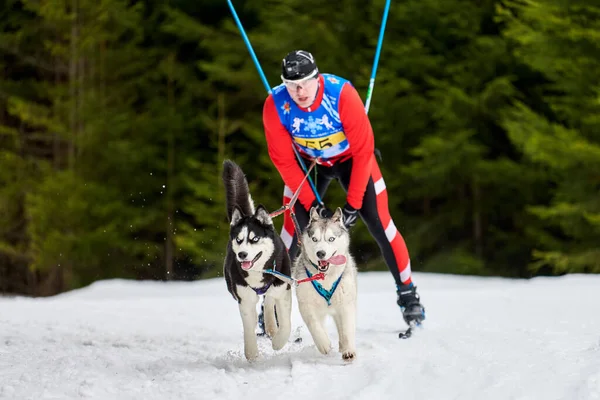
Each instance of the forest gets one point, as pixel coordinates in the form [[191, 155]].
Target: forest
[[116, 116]]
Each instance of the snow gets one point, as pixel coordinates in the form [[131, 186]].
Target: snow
[[484, 338]]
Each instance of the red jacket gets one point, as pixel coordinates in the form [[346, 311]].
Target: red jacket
[[357, 129]]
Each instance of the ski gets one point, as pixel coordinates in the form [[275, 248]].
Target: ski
[[406, 334]]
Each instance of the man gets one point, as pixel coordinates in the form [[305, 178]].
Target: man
[[322, 116]]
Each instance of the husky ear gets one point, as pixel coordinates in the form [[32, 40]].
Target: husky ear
[[314, 215], [263, 215], [337, 215], [236, 216]]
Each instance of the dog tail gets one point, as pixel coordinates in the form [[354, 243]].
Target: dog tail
[[237, 192]]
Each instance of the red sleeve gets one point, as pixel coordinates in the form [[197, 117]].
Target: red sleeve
[[279, 145], [359, 133]]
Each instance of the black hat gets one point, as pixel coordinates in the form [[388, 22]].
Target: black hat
[[297, 65]]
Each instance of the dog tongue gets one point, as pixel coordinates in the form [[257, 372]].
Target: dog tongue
[[337, 260], [246, 265]]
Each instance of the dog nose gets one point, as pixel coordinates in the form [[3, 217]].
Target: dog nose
[[242, 255], [321, 254]]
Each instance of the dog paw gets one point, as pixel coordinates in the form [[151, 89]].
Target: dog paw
[[348, 356], [251, 353], [271, 327], [324, 347], [271, 331], [279, 340]]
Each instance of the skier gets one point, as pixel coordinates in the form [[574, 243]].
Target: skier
[[322, 117]]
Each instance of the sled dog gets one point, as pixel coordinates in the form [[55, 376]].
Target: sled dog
[[325, 248], [254, 246]]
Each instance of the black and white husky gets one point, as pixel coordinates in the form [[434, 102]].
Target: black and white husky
[[255, 246], [326, 248]]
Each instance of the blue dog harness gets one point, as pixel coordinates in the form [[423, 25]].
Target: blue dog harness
[[326, 294]]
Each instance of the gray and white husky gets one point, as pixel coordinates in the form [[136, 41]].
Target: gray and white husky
[[326, 248], [253, 247]]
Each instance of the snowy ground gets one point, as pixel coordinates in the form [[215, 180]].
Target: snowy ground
[[484, 339]]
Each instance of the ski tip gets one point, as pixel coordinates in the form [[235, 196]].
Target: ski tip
[[406, 334]]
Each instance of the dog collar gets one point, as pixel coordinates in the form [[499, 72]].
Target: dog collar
[[263, 290], [326, 294]]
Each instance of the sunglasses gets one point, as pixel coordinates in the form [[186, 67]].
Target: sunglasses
[[300, 84]]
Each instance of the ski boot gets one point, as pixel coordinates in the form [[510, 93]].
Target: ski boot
[[408, 300]]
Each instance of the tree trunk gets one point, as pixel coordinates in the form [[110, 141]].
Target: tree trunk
[[170, 172], [73, 63], [477, 223], [222, 128], [56, 140], [80, 104]]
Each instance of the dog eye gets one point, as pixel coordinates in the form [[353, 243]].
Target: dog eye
[[238, 240], [314, 239], [331, 239], [255, 239]]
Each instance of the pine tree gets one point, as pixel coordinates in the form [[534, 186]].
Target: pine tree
[[21, 144], [87, 217], [445, 77], [231, 96], [559, 40]]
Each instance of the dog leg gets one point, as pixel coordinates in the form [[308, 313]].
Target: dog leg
[[315, 322], [345, 321], [270, 321], [247, 305], [284, 315], [340, 329]]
